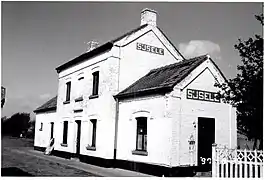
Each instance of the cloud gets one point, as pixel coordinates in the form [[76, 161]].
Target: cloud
[[45, 96], [26, 104], [20, 104], [200, 47]]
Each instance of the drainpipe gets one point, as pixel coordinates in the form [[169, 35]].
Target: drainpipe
[[117, 112], [116, 130]]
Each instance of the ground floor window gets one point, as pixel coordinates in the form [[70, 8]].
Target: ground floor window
[[65, 131], [141, 137], [41, 126], [94, 132]]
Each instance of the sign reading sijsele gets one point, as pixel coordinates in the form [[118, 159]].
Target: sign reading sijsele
[[148, 48], [202, 95]]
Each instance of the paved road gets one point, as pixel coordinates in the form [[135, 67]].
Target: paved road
[[17, 163]]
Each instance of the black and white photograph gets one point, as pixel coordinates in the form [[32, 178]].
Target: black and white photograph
[[132, 89]]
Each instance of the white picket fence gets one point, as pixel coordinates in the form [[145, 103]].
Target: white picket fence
[[236, 163]]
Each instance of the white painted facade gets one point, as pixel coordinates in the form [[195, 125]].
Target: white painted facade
[[43, 128], [170, 118]]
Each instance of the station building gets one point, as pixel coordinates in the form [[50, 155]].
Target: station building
[[136, 103]]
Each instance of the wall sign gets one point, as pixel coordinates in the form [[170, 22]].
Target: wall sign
[[148, 48], [202, 95]]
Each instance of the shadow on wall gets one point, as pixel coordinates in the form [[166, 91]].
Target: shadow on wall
[[13, 171]]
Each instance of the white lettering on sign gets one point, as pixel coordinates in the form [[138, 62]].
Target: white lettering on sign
[[148, 48], [202, 95]]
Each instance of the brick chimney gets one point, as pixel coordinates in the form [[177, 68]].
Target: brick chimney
[[148, 16], [91, 45]]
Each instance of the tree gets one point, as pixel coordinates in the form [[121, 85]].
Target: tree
[[245, 91], [16, 124]]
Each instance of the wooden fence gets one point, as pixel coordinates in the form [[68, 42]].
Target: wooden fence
[[235, 163]]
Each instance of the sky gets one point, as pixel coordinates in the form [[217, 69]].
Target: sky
[[37, 37]]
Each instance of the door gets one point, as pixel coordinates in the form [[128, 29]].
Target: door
[[52, 127], [78, 135], [206, 137]]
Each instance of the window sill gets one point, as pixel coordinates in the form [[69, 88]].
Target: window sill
[[78, 110], [93, 96], [91, 148], [79, 99], [142, 153], [66, 102], [64, 145]]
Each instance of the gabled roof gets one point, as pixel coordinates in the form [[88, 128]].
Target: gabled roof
[[162, 79], [49, 105], [103, 48]]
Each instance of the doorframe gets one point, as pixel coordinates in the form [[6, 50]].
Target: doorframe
[[78, 141], [197, 136]]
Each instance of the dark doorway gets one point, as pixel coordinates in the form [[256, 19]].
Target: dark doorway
[[78, 135], [52, 126], [206, 137]]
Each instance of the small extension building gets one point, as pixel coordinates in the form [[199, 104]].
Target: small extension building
[[136, 103]]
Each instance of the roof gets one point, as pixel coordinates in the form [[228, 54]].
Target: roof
[[162, 79], [103, 48], [49, 105]]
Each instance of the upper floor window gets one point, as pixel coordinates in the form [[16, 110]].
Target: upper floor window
[[95, 83], [79, 90], [81, 78], [68, 91]]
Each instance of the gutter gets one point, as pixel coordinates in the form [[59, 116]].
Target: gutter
[[87, 55], [44, 110], [157, 90]]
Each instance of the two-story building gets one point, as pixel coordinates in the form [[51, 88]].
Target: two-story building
[[136, 103]]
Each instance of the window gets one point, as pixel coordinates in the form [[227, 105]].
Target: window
[[68, 90], [65, 131], [94, 127], [41, 126], [95, 83], [141, 137], [79, 90]]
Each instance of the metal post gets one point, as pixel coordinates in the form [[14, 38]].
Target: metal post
[[214, 160]]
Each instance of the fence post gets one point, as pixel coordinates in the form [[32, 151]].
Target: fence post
[[256, 164], [241, 166], [214, 159], [245, 164]]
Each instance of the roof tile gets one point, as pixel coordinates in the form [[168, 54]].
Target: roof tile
[[97, 50], [165, 77], [49, 105]]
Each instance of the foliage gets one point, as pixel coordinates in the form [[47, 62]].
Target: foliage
[[15, 125], [245, 91]]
